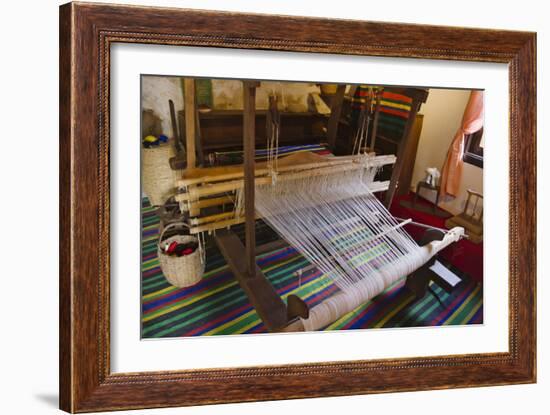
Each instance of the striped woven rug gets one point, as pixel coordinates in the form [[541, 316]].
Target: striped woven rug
[[217, 305]]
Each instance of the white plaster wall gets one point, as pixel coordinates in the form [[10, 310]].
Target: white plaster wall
[[472, 178], [227, 94], [443, 112], [292, 96], [155, 93]]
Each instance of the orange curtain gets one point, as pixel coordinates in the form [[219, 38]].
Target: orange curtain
[[472, 121]]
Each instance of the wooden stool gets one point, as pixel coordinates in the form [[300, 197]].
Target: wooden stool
[[424, 185], [471, 218]]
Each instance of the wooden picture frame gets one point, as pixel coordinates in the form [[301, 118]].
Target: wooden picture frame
[[86, 33]]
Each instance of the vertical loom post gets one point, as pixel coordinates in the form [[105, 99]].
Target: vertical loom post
[[175, 130], [335, 111], [198, 138], [249, 143], [404, 148], [190, 120]]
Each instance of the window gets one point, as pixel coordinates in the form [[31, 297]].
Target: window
[[473, 150]]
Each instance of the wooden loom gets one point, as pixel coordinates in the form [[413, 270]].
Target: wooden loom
[[207, 187], [203, 188]]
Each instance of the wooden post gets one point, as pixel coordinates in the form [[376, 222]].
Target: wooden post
[[190, 120], [198, 138], [249, 143], [175, 130], [404, 148], [419, 96], [335, 111]]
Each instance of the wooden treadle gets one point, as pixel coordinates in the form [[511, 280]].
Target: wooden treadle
[[263, 297]]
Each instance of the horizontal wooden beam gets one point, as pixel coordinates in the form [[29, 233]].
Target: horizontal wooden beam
[[295, 163], [195, 193], [204, 203], [263, 297], [208, 225]]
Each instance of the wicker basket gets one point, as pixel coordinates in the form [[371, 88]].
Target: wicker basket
[[182, 271], [158, 178]]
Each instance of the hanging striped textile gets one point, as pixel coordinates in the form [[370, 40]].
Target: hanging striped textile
[[394, 113], [395, 109], [359, 98]]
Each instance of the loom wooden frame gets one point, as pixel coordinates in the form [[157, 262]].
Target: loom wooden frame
[[86, 33]]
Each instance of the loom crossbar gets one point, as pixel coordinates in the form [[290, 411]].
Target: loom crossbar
[[209, 189], [263, 297], [226, 220], [293, 162]]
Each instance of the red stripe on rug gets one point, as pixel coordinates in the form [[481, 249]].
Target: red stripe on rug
[[451, 308]]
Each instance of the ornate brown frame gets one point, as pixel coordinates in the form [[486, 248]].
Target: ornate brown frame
[[86, 33]]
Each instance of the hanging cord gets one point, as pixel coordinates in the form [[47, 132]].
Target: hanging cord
[[375, 110], [239, 202], [273, 121], [362, 129], [202, 247], [363, 122], [276, 132]]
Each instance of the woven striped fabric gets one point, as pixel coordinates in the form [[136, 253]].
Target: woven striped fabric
[[217, 305], [359, 97], [394, 110], [394, 113]]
